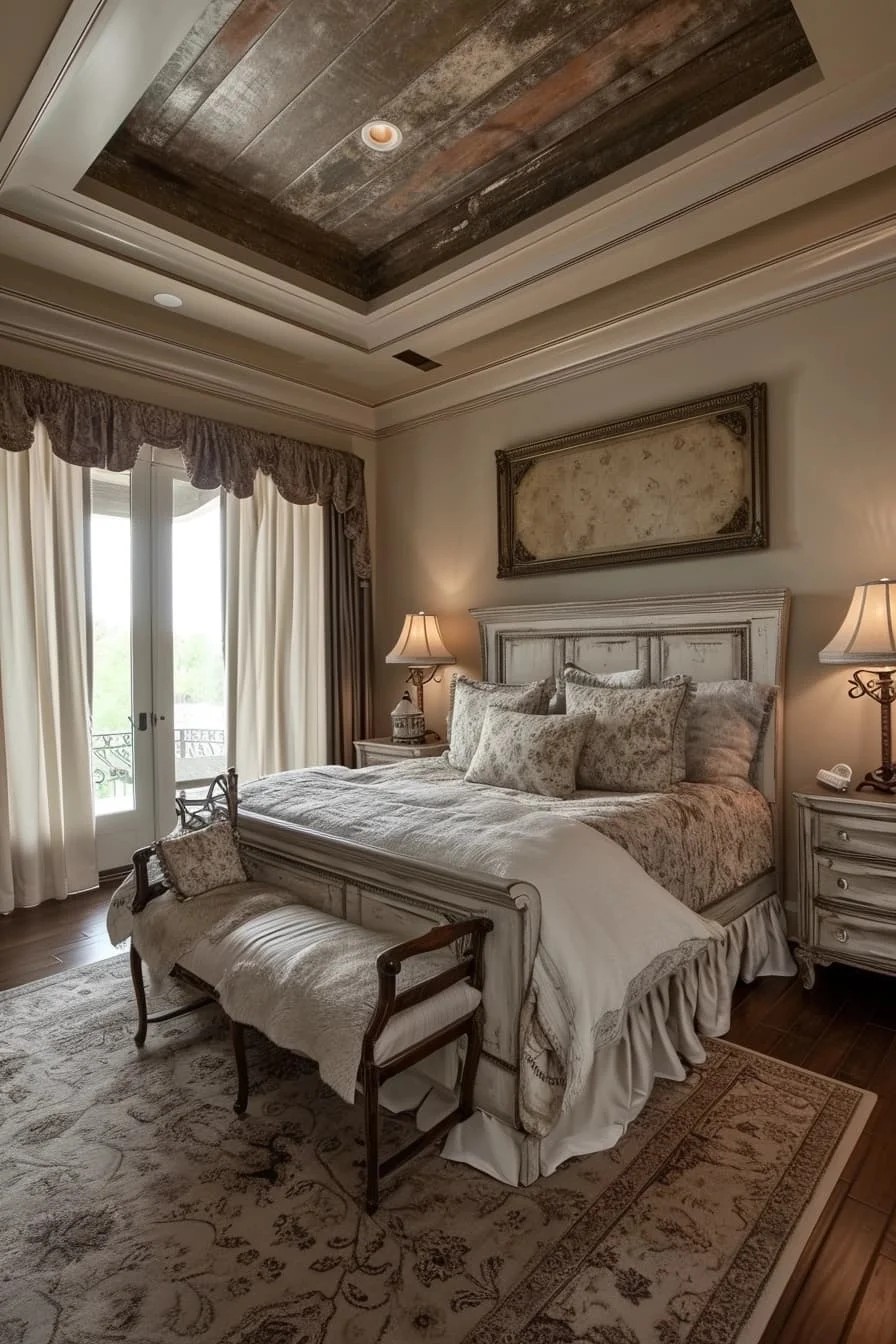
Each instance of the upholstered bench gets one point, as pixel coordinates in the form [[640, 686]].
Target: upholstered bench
[[322, 986]]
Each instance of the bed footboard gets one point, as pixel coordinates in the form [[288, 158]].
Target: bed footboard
[[406, 897]]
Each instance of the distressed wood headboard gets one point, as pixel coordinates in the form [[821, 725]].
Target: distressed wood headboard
[[711, 637]]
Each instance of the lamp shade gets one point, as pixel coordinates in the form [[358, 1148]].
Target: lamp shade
[[420, 643], [868, 632]]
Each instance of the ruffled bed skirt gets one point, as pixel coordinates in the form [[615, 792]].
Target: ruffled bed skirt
[[661, 1037]]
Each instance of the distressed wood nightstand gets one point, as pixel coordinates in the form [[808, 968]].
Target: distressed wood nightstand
[[847, 882], [383, 751]]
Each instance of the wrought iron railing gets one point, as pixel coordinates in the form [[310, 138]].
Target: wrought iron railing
[[113, 756]]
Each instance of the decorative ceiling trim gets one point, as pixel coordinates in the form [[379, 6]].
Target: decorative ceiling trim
[[497, 286], [48, 326], [880, 122], [845, 262]]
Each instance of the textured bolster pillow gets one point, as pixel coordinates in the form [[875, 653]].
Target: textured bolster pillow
[[726, 729], [201, 860], [470, 700], [629, 680], [636, 741], [535, 753]]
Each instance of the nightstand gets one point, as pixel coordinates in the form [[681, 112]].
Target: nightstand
[[847, 882], [383, 751]]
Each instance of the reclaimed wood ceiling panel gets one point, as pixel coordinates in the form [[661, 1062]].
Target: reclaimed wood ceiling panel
[[252, 129]]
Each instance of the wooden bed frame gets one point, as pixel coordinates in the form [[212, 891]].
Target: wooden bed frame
[[711, 637]]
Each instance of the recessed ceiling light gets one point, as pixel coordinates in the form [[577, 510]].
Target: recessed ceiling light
[[167, 300], [381, 136]]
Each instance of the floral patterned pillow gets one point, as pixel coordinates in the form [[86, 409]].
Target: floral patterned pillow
[[536, 753], [636, 741], [726, 730], [200, 860], [627, 680], [470, 700]]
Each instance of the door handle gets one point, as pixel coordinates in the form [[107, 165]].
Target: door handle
[[142, 722]]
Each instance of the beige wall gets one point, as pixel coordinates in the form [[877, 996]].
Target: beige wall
[[27, 27], [832, 466]]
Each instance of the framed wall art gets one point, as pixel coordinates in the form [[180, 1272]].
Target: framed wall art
[[687, 480]]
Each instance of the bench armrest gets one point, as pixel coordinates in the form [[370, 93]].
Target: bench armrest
[[146, 891], [389, 964]]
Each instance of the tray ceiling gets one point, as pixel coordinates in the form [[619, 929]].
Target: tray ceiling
[[252, 128]]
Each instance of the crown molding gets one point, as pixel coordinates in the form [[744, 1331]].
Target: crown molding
[[48, 326], [847, 262], [809, 275]]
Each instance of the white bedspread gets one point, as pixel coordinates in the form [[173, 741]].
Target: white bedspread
[[609, 933]]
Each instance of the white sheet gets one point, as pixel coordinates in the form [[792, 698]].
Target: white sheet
[[609, 932], [660, 1038]]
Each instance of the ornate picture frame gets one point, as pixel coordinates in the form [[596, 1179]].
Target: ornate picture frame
[[682, 481]]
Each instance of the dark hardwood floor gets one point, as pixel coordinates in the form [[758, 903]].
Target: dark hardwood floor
[[844, 1288]]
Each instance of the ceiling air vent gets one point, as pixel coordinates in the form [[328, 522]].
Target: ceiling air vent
[[417, 361]]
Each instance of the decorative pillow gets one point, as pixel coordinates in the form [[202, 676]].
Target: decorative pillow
[[470, 700], [726, 730], [636, 742], [628, 680], [200, 860], [535, 753]]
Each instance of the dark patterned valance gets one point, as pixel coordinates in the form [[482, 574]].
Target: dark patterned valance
[[93, 429]]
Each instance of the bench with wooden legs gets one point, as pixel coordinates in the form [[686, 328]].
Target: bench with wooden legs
[[390, 1044]]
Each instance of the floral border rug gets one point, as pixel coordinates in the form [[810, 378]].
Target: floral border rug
[[136, 1206]]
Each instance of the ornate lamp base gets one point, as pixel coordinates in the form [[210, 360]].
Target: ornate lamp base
[[884, 781], [880, 686]]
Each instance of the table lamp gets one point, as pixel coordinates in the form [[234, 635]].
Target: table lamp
[[422, 650], [868, 637]]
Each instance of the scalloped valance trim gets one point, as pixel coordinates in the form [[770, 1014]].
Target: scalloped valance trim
[[90, 428]]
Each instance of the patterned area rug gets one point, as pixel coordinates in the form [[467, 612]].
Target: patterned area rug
[[135, 1206]]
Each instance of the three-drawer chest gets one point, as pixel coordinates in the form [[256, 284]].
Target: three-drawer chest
[[847, 882]]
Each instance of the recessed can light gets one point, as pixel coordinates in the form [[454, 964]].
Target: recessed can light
[[381, 136], [167, 300]]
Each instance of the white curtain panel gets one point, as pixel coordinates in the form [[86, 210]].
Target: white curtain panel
[[47, 845], [276, 649]]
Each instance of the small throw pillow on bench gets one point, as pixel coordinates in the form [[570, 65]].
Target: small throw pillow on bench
[[201, 860]]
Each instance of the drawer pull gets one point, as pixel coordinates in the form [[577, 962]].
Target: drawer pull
[[842, 936], [843, 835], [842, 883]]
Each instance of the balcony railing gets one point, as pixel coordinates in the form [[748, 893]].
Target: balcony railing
[[199, 754]]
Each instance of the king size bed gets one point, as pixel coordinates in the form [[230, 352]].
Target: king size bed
[[597, 980]]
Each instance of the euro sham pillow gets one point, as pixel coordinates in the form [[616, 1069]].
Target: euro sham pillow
[[627, 680], [469, 702], [726, 730], [535, 753], [199, 861], [636, 740]]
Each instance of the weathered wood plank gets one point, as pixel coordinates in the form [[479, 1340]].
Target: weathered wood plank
[[404, 40], [234, 215], [650, 46], [209, 23], [514, 50], [288, 56], [719, 81], [241, 30]]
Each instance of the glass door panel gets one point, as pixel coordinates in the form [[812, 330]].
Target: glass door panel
[[157, 646], [121, 692], [197, 635], [112, 736]]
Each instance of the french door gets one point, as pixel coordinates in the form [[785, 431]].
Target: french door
[[157, 643]]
